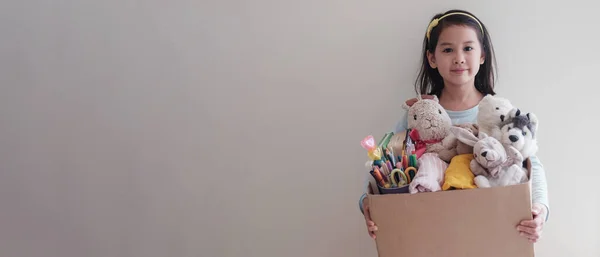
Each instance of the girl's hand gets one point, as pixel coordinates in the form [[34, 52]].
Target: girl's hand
[[532, 229], [371, 228]]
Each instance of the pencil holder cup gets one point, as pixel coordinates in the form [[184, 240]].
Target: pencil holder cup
[[393, 190]]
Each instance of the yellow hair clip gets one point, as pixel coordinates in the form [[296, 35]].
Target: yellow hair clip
[[435, 22]]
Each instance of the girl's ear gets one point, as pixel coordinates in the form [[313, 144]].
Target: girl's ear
[[431, 59], [482, 59]]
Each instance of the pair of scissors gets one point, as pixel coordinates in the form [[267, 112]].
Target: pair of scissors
[[402, 179], [410, 173]]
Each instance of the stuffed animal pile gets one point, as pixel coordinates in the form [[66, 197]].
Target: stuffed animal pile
[[442, 156]]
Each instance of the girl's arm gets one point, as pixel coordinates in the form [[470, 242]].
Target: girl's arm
[[539, 190]]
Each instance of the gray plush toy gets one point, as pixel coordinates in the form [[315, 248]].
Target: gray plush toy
[[519, 131]]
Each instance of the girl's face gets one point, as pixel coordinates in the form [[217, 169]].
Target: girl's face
[[457, 56]]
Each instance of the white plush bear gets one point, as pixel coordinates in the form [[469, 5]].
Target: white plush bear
[[493, 164], [493, 110], [519, 131]]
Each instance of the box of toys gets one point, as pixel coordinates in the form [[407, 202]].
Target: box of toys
[[461, 195]]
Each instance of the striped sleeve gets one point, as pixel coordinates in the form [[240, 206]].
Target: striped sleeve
[[539, 185]]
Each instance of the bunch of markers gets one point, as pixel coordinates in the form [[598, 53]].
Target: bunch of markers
[[391, 170]]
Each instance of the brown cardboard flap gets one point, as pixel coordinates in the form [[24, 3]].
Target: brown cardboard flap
[[459, 223]]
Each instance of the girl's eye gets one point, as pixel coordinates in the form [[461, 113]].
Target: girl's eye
[[415, 117], [468, 48], [447, 50]]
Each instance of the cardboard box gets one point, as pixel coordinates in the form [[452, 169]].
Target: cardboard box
[[457, 223]]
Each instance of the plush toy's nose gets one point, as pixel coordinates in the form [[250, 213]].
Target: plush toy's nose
[[502, 117], [484, 154], [513, 138]]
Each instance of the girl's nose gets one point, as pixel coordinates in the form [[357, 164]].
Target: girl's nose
[[459, 58]]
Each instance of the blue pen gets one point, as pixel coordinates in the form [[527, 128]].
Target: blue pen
[[388, 156], [393, 156]]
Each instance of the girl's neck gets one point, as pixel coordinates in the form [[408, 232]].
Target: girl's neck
[[460, 98]]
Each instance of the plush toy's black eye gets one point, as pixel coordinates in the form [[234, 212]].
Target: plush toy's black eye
[[440, 111], [524, 133], [415, 117], [507, 129], [497, 108]]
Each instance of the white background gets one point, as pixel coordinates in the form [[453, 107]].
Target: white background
[[201, 128]]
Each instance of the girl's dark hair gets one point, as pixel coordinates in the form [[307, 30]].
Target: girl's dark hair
[[430, 81]]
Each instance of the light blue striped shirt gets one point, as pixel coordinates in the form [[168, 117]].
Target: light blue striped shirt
[[538, 175]]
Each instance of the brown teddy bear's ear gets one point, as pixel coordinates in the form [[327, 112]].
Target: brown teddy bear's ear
[[408, 103]]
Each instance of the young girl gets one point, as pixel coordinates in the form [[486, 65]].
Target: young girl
[[458, 67]]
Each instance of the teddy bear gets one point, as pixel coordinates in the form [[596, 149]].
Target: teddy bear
[[519, 131], [492, 164], [462, 148], [428, 125], [493, 110], [435, 146]]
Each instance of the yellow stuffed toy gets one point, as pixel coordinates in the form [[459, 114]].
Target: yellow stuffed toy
[[458, 174]]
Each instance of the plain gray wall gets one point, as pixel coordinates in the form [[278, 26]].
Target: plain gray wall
[[232, 128]]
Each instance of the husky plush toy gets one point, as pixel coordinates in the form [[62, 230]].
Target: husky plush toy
[[519, 131]]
